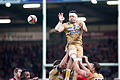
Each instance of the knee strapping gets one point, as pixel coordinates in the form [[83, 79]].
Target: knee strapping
[[73, 54], [78, 59]]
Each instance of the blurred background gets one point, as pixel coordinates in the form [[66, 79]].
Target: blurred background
[[21, 42]]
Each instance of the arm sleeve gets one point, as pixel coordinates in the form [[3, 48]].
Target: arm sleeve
[[59, 26]]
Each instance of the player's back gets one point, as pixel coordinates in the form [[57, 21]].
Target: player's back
[[55, 75]]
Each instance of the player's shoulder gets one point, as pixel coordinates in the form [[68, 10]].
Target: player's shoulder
[[100, 75], [53, 71], [67, 23], [95, 74]]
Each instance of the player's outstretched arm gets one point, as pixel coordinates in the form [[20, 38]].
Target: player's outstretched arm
[[85, 73], [64, 60], [83, 25], [59, 27], [88, 63], [83, 67]]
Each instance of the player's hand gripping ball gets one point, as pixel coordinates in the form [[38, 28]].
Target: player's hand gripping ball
[[32, 19]]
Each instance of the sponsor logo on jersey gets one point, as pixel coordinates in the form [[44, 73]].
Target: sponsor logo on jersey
[[98, 79], [74, 31], [78, 26]]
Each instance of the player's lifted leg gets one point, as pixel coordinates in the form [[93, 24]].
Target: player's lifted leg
[[72, 54]]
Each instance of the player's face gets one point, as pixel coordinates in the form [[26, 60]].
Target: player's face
[[27, 75], [18, 73], [72, 19]]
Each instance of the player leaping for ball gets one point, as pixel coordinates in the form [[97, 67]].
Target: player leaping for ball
[[74, 30]]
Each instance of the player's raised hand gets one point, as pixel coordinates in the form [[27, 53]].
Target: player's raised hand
[[61, 17], [86, 58], [80, 22]]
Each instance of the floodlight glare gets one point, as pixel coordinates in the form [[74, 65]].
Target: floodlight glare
[[5, 21], [112, 2], [94, 1], [31, 5], [8, 4]]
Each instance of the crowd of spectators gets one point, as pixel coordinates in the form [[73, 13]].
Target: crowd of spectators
[[28, 55]]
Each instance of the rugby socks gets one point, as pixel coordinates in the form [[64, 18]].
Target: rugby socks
[[67, 75]]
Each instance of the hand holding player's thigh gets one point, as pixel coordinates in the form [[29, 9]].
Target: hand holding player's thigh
[[86, 58]]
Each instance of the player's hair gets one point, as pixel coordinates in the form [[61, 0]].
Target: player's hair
[[56, 62], [23, 73], [16, 70], [97, 67], [73, 11]]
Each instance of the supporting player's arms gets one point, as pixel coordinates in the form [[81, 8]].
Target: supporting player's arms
[[83, 67], [64, 60], [88, 63], [85, 73], [52, 73]]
